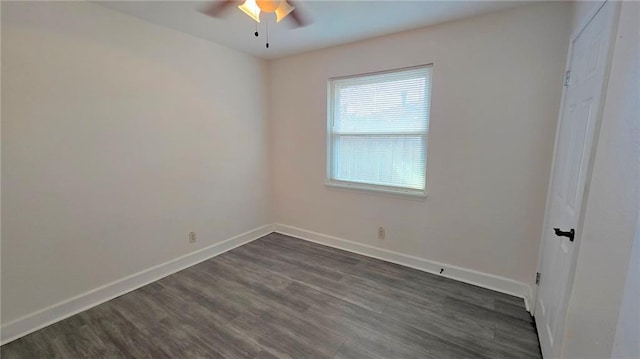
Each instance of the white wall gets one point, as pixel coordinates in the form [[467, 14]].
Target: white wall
[[626, 342], [118, 138], [497, 81], [613, 206]]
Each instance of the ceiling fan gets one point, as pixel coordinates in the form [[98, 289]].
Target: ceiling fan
[[253, 8]]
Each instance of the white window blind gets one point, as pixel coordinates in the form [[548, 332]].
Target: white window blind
[[378, 125]]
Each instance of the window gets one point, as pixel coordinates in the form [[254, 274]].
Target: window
[[377, 130]]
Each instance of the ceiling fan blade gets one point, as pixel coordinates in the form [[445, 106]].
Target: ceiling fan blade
[[217, 8], [297, 17]]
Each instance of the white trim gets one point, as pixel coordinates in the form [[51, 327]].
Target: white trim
[[399, 192], [54, 313], [480, 279]]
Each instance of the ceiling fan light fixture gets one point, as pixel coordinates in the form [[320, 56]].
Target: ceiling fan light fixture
[[250, 7], [268, 6], [283, 10]]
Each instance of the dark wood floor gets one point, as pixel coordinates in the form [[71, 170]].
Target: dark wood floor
[[280, 297]]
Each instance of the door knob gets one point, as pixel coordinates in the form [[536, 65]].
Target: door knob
[[569, 234]]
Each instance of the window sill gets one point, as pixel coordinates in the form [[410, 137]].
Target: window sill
[[377, 190]]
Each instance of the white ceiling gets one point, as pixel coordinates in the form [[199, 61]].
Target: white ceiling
[[332, 22]]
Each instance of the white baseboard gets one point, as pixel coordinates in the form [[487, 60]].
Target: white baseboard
[[54, 313], [484, 280], [47, 316]]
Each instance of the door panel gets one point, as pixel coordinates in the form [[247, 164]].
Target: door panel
[[574, 145]]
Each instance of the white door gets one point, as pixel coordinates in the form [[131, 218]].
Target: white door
[[577, 130]]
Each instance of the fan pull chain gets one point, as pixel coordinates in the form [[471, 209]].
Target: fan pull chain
[[267, 21], [256, 33]]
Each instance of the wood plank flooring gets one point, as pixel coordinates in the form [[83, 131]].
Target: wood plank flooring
[[281, 297]]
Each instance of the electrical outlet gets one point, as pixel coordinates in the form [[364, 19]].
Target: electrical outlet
[[381, 233], [192, 237]]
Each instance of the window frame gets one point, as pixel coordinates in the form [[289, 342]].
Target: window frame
[[376, 188]]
